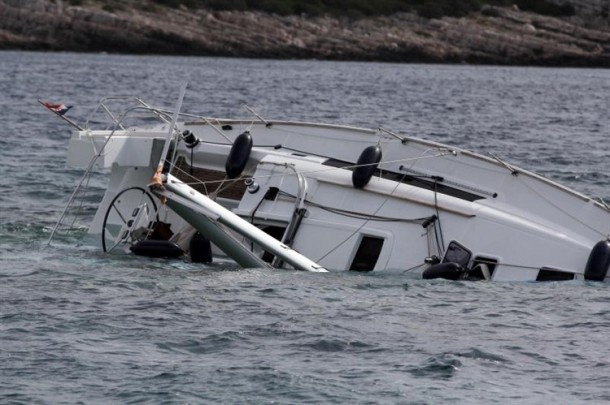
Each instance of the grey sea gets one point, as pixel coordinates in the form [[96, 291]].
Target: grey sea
[[80, 326]]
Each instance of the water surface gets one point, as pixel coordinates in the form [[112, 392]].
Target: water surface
[[77, 325]]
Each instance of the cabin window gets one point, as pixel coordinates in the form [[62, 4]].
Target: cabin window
[[547, 274], [367, 254]]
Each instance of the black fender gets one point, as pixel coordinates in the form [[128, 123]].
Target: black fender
[[239, 155], [365, 167], [157, 248], [598, 262], [448, 271]]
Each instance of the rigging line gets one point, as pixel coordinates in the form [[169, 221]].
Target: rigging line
[[160, 114], [215, 128], [227, 183], [192, 152], [416, 267], [252, 219], [101, 105], [112, 117], [535, 191], [257, 115], [177, 139], [604, 203], [438, 243], [361, 225], [372, 218], [518, 266], [402, 140], [82, 201], [83, 178], [607, 207], [215, 193], [118, 122], [181, 170], [330, 169], [354, 214], [438, 218], [430, 242], [279, 146], [288, 148], [285, 130], [168, 113], [445, 152], [512, 170], [196, 180]]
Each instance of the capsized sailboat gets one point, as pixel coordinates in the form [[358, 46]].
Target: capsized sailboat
[[319, 197]]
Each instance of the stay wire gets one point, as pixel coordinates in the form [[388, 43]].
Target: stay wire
[[416, 267], [438, 220], [354, 214], [252, 218], [361, 225]]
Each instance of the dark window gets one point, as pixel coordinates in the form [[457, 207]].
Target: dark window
[[367, 254], [457, 253], [277, 232], [546, 274]]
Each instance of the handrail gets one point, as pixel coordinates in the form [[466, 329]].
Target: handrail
[[117, 125]]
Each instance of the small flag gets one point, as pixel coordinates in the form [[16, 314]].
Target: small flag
[[60, 109]]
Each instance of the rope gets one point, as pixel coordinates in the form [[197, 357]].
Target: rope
[[535, 191], [362, 225], [358, 215], [417, 266], [330, 169], [438, 218]]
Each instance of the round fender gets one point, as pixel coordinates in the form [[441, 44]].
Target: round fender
[[157, 248], [367, 164], [599, 261], [448, 271], [239, 155]]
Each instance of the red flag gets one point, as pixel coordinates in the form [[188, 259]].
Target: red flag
[[60, 109]]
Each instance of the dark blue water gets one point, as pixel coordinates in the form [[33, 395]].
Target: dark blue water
[[79, 326]]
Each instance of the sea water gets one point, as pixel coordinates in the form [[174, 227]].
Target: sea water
[[81, 326]]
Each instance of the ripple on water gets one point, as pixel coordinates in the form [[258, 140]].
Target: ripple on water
[[79, 326]]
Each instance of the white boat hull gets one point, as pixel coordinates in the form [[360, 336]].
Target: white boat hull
[[516, 225]]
